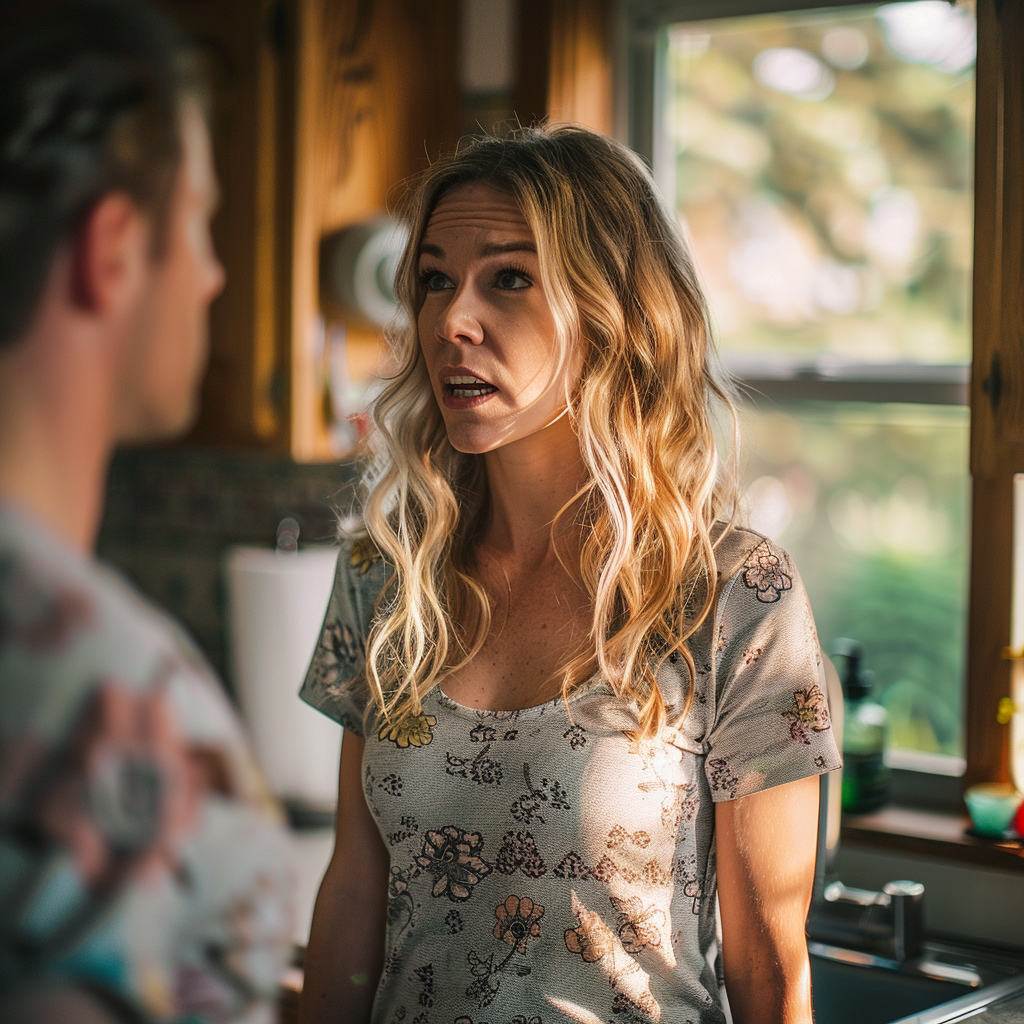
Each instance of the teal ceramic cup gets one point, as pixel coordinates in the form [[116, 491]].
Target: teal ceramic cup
[[992, 806]]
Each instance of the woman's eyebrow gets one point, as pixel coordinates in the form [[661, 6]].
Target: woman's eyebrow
[[491, 249], [494, 248]]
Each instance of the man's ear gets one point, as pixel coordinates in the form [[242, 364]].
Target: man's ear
[[109, 255]]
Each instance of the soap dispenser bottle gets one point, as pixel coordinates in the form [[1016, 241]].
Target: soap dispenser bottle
[[866, 776]]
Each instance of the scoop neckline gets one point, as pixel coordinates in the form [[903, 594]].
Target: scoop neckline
[[588, 686]]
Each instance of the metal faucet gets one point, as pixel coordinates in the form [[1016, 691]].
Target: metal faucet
[[887, 923]]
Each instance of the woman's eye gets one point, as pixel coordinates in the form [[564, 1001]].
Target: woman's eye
[[434, 281], [511, 280]]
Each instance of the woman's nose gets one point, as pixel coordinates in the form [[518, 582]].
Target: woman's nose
[[460, 324]]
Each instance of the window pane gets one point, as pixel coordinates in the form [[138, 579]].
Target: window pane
[[872, 501], [822, 166]]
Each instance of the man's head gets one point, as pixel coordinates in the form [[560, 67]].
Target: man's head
[[106, 189]]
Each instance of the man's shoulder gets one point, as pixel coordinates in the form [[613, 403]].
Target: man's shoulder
[[69, 624], [121, 750]]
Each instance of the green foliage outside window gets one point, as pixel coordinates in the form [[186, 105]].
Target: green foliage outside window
[[821, 166]]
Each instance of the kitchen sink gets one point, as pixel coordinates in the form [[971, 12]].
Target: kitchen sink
[[850, 987]]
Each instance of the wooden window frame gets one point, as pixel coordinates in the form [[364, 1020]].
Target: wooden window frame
[[996, 385], [997, 379]]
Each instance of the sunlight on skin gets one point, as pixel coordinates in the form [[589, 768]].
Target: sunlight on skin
[[766, 847]]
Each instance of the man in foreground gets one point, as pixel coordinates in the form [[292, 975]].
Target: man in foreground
[[143, 871]]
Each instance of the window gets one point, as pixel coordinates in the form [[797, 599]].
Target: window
[[821, 163]]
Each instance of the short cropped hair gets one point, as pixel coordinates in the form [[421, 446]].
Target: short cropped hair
[[90, 99]]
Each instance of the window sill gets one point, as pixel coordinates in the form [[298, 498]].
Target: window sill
[[931, 834]]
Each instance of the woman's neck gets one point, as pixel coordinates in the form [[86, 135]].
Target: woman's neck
[[529, 482]]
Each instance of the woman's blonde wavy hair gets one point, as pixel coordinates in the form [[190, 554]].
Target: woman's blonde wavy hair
[[622, 285]]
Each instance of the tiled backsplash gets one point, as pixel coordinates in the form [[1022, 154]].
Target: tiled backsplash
[[171, 514]]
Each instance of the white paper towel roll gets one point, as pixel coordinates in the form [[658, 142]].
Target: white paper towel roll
[[276, 606]]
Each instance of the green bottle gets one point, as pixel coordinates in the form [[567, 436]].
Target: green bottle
[[866, 776]]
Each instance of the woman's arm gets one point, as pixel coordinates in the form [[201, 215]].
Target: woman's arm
[[765, 849], [346, 941]]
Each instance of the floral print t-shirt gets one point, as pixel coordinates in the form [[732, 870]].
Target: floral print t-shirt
[[141, 854], [547, 865]]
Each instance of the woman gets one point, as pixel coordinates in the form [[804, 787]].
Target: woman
[[577, 704]]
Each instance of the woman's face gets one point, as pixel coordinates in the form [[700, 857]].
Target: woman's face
[[485, 328]]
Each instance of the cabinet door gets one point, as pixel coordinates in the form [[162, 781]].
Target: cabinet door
[[320, 109], [242, 46], [377, 97]]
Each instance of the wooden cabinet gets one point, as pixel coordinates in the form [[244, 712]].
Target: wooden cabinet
[[321, 109], [565, 62]]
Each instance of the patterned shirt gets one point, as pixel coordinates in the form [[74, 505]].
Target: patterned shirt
[[140, 851], [547, 865]]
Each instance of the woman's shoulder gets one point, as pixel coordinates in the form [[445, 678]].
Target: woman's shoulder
[[361, 577], [754, 563], [362, 565], [361, 553], [335, 682]]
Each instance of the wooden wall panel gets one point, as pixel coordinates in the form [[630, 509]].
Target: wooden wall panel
[[989, 628]]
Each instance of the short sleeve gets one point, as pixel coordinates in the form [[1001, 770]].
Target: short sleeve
[[335, 681], [771, 723]]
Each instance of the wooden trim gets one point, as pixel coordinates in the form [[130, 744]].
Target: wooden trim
[[989, 627], [997, 391], [997, 387], [988, 237], [306, 425], [1011, 405]]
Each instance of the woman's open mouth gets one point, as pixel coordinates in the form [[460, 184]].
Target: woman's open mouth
[[468, 387], [463, 391]]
